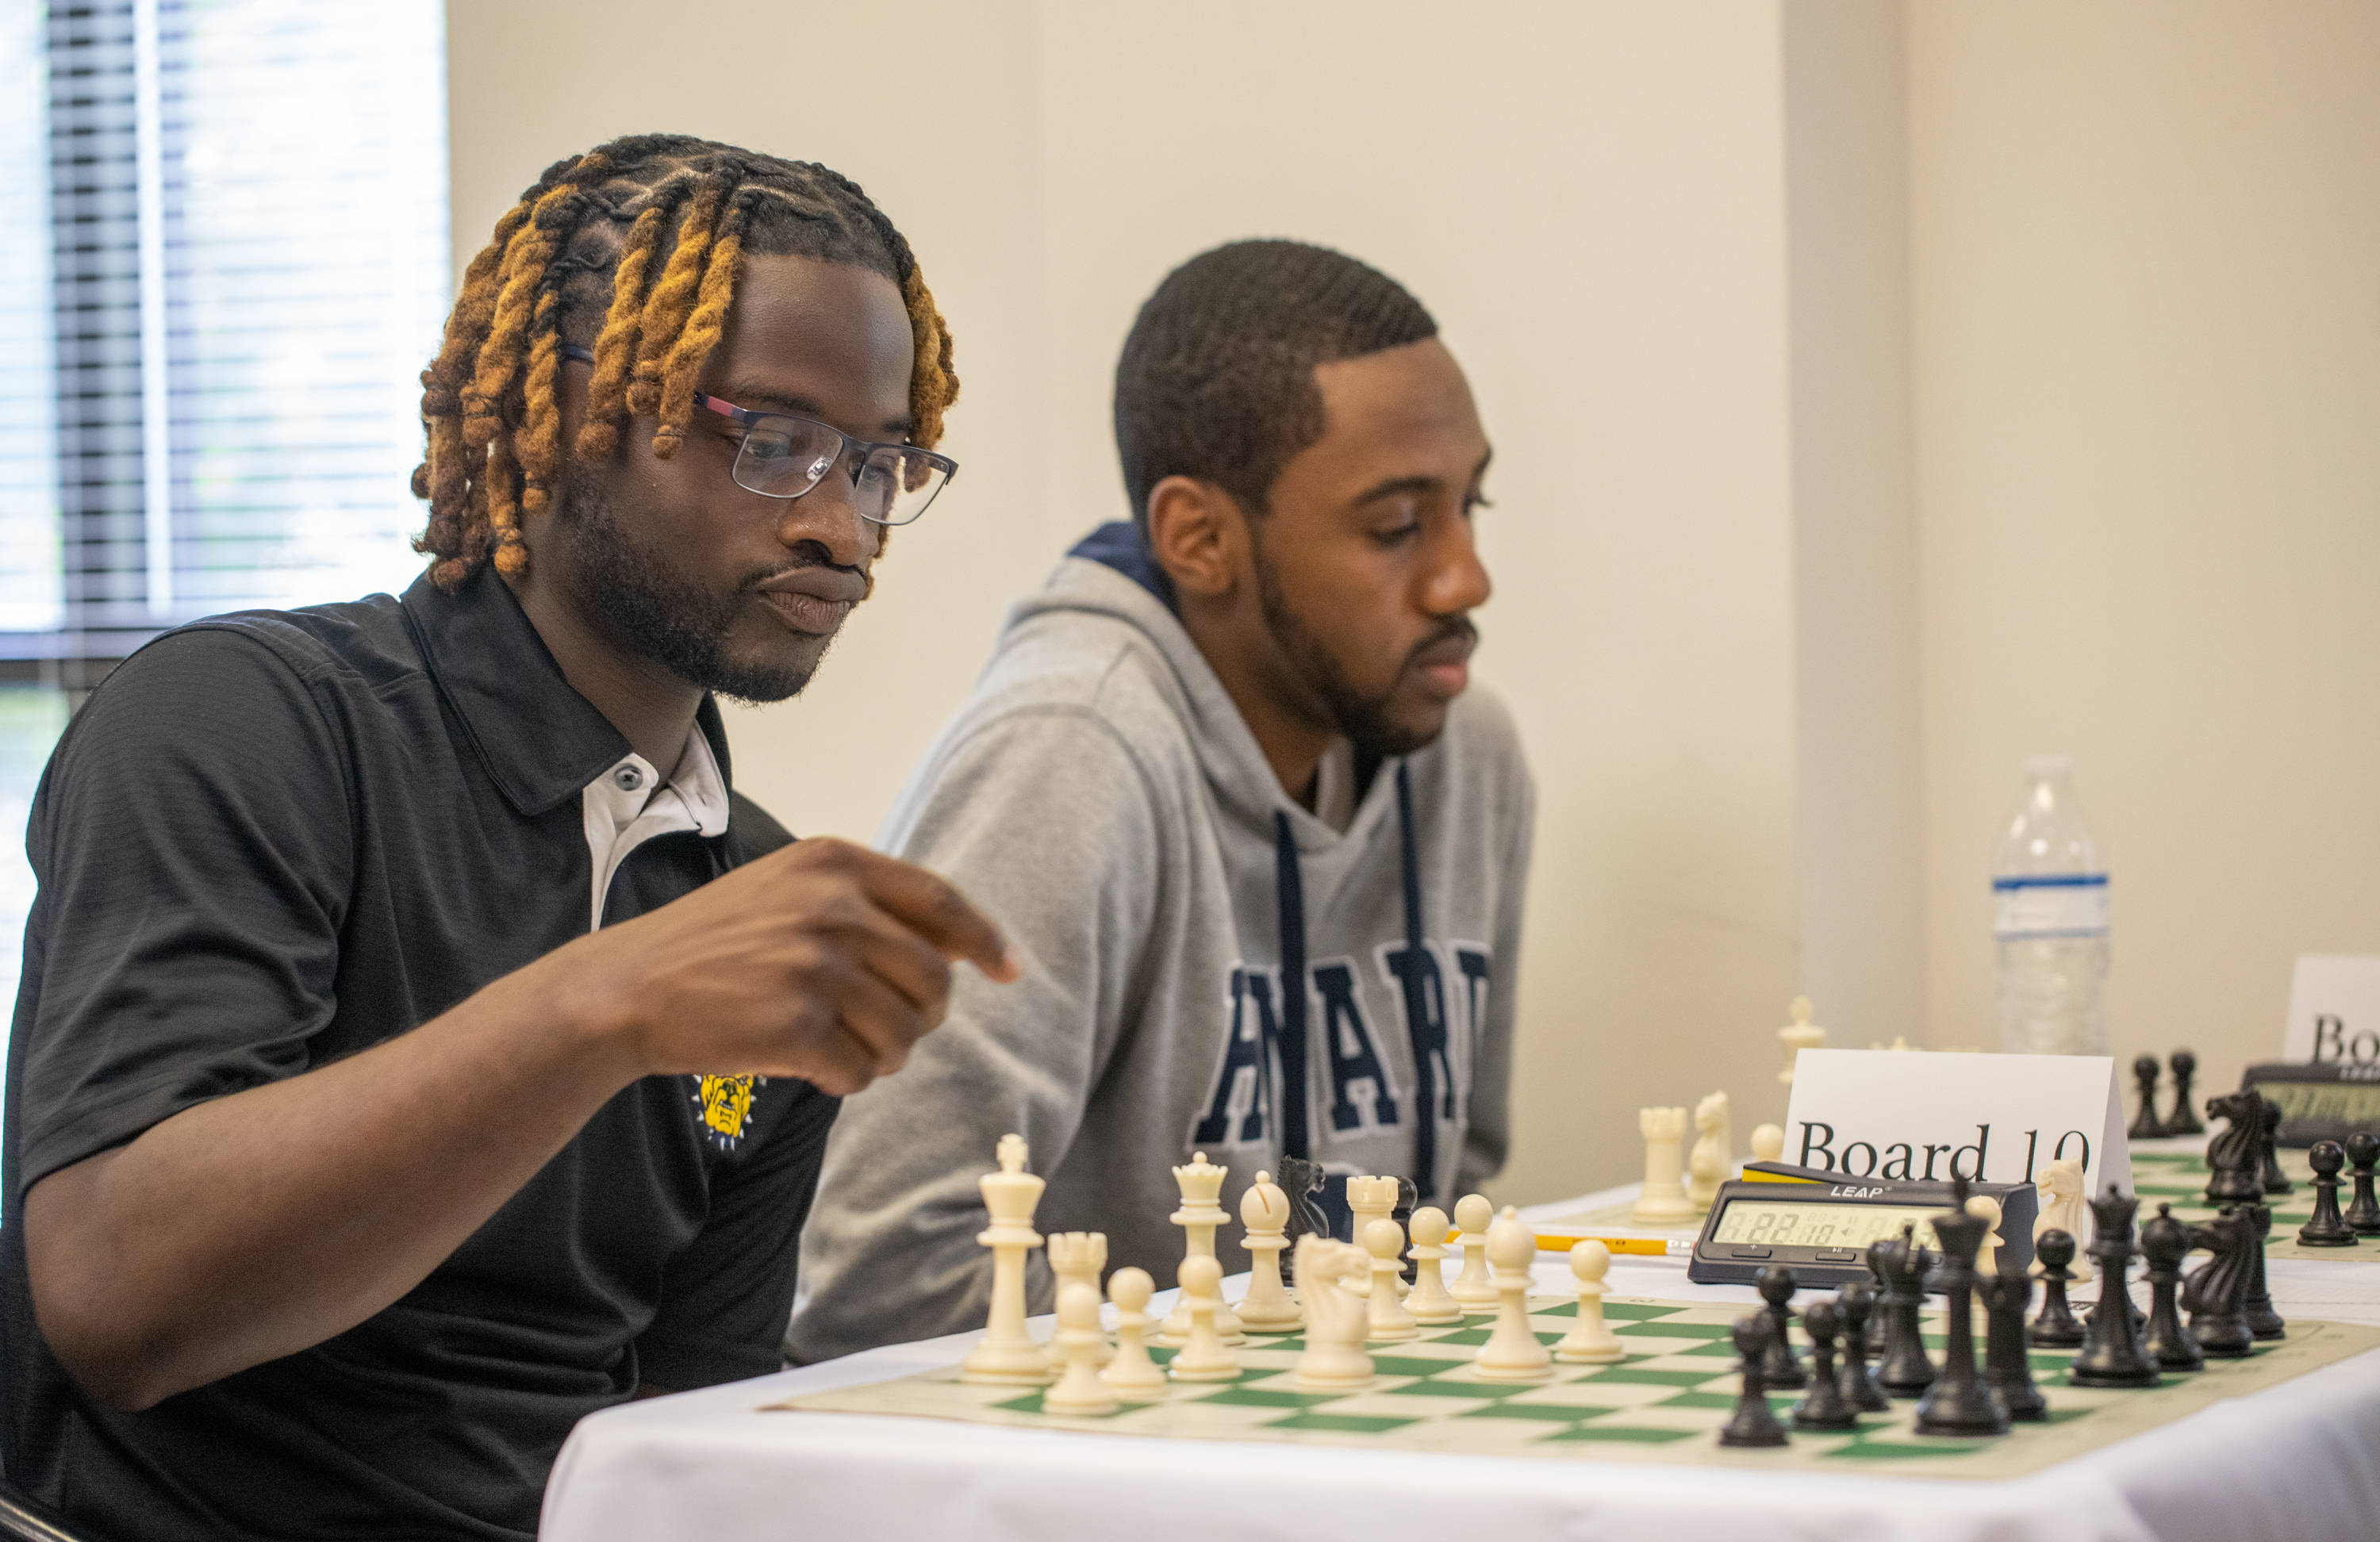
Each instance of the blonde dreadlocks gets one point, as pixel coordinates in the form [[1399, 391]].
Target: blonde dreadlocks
[[652, 231]]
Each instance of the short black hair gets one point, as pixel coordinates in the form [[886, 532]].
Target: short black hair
[[1217, 377]]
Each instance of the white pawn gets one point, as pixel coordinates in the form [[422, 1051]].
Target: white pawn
[[1591, 1342], [1768, 1143], [1132, 1372], [1472, 1287], [1371, 1199], [1987, 1252], [1204, 1358], [1512, 1352], [1802, 1034], [1663, 1201], [1267, 1309], [1076, 1258], [1383, 1240], [1430, 1302], [1333, 1360], [1079, 1390]]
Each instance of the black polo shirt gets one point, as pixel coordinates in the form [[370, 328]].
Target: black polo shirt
[[276, 838]]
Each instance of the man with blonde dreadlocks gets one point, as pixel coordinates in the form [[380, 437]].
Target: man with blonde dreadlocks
[[420, 1046]]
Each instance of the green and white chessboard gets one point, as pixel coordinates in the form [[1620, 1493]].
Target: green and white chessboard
[[1664, 1402], [2178, 1178]]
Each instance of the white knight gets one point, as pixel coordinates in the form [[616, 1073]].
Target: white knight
[[1336, 1318], [2062, 1211]]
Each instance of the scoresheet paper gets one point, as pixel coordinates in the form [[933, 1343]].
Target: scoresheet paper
[[1923, 1117]]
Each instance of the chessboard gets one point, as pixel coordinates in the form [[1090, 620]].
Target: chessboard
[[1664, 1402], [2178, 1178]]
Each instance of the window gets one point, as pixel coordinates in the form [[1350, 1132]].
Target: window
[[223, 264], [225, 253]]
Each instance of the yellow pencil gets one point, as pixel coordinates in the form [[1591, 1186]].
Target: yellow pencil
[[1562, 1242]]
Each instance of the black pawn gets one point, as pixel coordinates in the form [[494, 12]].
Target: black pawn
[[2057, 1326], [2113, 1356], [1754, 1422], [1408, 1196], [2146, 1125], [2363, 1152], [2269, 1159], [1961, 1401], [2327, 1228], [2164, 1242], [1823, 1408], [2217, 1295], [2183, 1120], [1783, 1370], [1906, 1370], [2263, 1321], [2006, 1365], [1857, 1301]]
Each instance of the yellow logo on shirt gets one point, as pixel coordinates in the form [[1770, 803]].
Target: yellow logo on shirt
[[726, 1104]]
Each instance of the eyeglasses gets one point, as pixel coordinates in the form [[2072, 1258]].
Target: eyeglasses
[[783, 456]]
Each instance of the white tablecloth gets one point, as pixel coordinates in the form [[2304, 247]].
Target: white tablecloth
[[2300, 1461]]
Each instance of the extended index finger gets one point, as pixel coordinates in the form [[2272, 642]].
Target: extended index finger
[[933, 906]]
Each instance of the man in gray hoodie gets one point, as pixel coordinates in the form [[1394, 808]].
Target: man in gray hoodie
[[1227, 745]]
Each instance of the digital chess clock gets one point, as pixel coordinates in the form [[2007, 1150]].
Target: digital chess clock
[[2325, 1101], [1819, 1224]]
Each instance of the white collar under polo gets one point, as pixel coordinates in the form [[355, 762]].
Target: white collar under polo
[[629, 804]]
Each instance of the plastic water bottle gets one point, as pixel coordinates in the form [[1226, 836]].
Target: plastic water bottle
[[2049, 917]]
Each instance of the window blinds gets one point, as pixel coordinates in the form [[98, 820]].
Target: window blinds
[[32, 592], [244, 249]]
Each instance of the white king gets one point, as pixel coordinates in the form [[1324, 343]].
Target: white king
[[1008, 1355]]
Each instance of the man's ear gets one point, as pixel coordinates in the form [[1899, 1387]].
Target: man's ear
[[1198, 535]]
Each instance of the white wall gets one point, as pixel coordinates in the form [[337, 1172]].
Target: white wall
[[1857, 773], [1830, 350], [1621, 316], [2147, 259]]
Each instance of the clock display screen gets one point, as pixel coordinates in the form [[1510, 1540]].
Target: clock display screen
[[1782, 1223], [2327, 1103]]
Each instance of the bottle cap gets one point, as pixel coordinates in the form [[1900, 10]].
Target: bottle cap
[[2048, 765]]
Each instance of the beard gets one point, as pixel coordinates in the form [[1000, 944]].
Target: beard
[[664, 614], [1364, 720]]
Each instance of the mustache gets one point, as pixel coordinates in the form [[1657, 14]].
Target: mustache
[[807, 555], [1453, 627]]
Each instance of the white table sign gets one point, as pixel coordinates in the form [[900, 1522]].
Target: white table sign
[[1919, 1116], [2334, 1011]]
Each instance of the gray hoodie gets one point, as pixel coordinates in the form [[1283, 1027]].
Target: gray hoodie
[[1100, 794]]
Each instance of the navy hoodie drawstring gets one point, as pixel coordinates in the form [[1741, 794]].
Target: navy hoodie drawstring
[[1290, 1045], [1428, 1044]]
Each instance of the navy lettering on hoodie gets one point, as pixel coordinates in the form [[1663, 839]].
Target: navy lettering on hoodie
[[1362, 1098], [1241, 1085], [1417, 983], [1239, 1110]]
